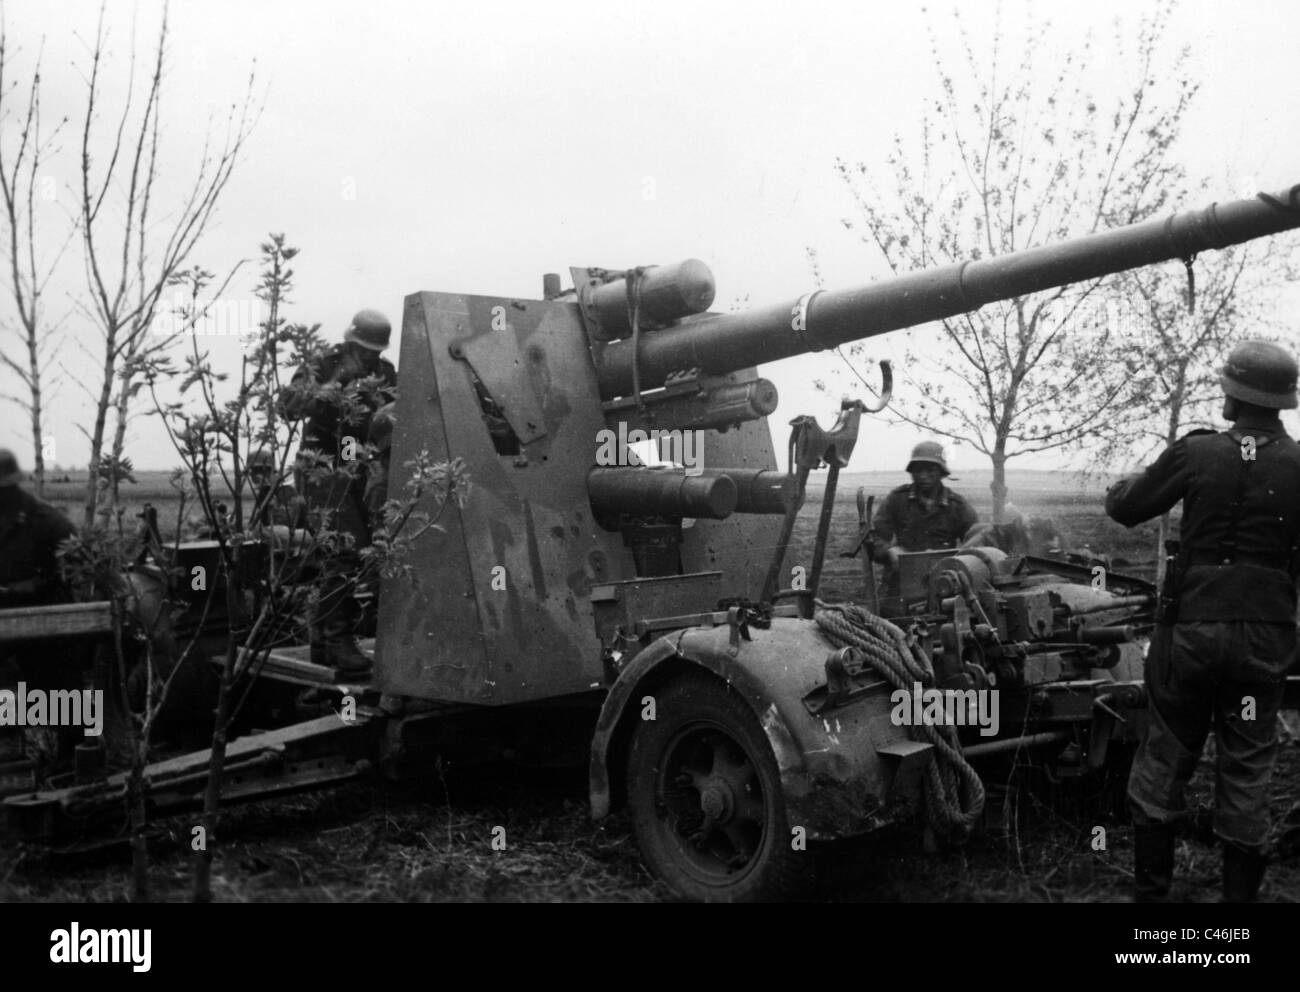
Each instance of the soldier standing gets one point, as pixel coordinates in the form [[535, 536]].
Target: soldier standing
[[337, 426], [921, 516], [1226, 630]]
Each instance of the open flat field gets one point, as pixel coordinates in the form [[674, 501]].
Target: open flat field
[[150, 487], [1076, 506], [432, 841]]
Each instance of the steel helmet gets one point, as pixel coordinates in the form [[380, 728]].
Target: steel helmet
[[370, 329], [930, 452], [1260, 373], [261, 457]]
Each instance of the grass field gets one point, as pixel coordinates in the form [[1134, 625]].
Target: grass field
[[150, 487], [432, 841], [1074, 504]]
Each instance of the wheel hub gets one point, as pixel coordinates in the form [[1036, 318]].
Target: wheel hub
[[716, 801]]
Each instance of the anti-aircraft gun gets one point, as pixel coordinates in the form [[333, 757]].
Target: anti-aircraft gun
[[724, 726], [637, 609]]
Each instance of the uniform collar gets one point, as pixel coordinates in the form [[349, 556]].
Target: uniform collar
[[940, 499], [1265, 425]]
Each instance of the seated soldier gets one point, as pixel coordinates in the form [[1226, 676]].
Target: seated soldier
[[920, 517]]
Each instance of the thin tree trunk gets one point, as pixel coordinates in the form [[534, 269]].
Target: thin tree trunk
[[999, 484], [139, 822], [38, 438], [138, 741], [119, 432], [202, 889], [97, 435]]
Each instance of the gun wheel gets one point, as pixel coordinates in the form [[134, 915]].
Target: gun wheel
[[705, 798]]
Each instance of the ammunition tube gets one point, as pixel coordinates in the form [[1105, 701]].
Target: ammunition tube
[[759, 490], [659, 492], [1106, 635], [667, 293], [712, 408], [1114, 603]]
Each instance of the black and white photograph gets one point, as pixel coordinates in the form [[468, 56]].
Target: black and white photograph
[[823, 453]]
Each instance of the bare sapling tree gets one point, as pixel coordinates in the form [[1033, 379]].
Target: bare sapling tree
[[134, 570], [271, 544], [29, 271], [133, 245], [1010, 158]]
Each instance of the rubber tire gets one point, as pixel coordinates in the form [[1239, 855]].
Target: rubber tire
[[776, 871]]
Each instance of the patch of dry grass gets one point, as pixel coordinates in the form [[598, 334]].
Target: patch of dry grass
[[379, 843]]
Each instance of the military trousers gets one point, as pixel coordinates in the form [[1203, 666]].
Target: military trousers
[[1225, 676], [337, 503]]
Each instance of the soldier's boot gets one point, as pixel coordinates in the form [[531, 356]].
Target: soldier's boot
[[1153, 862], [333, 644], [1243, 872], [341, 653]]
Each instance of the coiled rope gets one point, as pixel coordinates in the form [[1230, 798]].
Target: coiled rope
[[954, 793]]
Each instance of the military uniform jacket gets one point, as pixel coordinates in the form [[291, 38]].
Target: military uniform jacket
[[1241, 519], [30, 533], [324, 429], [904, 521]]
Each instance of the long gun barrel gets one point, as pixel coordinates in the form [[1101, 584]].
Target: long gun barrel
[[721, 343]]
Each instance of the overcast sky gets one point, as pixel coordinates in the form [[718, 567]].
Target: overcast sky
[[472, 147]]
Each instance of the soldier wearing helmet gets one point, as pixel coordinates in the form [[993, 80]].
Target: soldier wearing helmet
[[338, 422], [921, 516], [1225, 632], [331, 422]]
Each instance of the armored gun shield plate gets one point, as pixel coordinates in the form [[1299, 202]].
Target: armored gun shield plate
[[498, 608]]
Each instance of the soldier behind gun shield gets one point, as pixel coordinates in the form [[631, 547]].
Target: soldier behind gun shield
[[1226, 629], [336, 429]]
